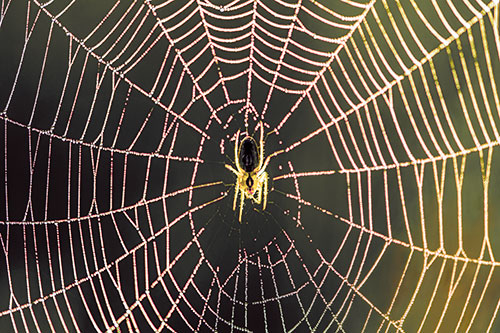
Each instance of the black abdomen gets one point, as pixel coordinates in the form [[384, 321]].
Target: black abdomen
[[248, 155]]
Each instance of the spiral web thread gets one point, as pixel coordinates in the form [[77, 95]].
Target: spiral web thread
[[373, 76]]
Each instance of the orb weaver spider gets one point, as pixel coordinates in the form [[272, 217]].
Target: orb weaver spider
[[251, 176]]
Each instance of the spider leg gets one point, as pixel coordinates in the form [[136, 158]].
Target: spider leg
[[230, 168], [259, 196], [236, 147], [236, 191], [266, 162], [242, 201], [261, 145], [265, 190]]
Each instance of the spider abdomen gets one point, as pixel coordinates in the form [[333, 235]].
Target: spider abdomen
[[248, 154]]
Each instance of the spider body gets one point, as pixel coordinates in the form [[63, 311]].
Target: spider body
[[248, 157], [250, 171]]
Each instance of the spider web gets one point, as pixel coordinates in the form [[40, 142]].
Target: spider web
[[117, 120]]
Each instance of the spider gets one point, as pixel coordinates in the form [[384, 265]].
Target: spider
[[251, 175]]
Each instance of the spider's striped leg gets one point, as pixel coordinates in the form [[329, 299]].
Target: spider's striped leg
[[236, 191], [259, 195], [265, 190], [261, 146], [266, 162], [242, 201], [237, 187], [236, 147], [230, 168]]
